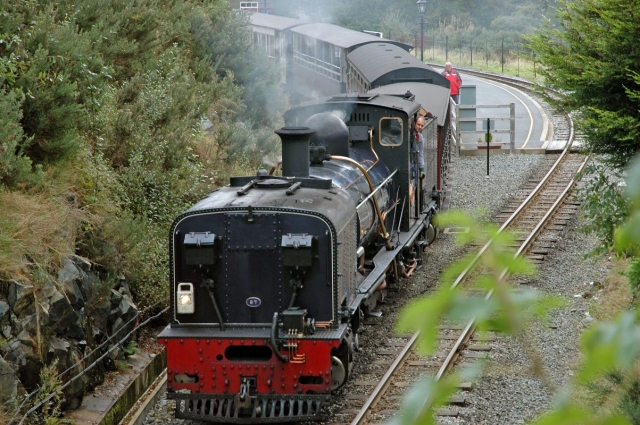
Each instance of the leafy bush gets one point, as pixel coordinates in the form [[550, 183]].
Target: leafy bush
[[604, 207], [633, 275], [150, 271], [50, 383], [16, 169], [630, 403]]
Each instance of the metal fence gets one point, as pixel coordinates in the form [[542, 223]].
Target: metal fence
[[488, 52]]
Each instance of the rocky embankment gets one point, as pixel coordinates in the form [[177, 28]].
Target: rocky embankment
[[61, 321]]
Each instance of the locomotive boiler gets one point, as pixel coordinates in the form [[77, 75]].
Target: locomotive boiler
[[272, 274]]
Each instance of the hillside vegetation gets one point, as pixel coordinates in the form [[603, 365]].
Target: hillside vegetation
[[102, 133]]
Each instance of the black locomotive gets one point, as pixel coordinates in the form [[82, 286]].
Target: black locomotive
[[272, 275]]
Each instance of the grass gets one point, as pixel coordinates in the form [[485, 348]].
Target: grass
[[33, 228], [517, 66], [616, 391], [614, 294]]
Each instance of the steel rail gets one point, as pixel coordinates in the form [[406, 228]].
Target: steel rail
[[380, 389]]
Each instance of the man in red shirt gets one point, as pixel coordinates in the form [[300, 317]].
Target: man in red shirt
[[455, 81]]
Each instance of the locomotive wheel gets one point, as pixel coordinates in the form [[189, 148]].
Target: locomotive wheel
[[338, 373], [430, 234]]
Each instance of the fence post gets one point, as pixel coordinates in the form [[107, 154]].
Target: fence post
[[503, 55], [433, 47], [446, 49], [486, 53], [488, 138], [458, 128], [518, 74], [512, 128], [471, 50]]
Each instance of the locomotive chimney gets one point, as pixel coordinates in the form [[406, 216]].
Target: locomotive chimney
[[295, 150]]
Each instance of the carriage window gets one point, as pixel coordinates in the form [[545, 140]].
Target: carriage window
[[391, 131], [251, 6]]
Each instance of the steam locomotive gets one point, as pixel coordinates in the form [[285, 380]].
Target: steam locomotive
[[272, 275]]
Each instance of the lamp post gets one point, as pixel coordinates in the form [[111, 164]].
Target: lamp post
[[422, 6]]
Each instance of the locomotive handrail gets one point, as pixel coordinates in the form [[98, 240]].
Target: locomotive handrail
[[293, 188], [384, 182]]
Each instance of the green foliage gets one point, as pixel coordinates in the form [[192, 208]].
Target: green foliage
[[633, 275], [628, 235], [570, 414], [610, 346], [130, 348], [608, 349], [223, 41], [426, 396], [150, 269], [154, 148], [630, 403], [590, 55], [604, 207], [50, 410], [15, 167], [50, 112]]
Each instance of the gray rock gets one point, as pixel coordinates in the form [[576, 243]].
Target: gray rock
[[64, 319], [10, 386], [19, 297], [68, 278], [58, 348], [4, 309]]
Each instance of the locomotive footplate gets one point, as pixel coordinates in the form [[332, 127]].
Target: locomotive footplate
[[265, 408]]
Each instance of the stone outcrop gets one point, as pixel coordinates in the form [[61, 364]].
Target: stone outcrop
[[61, 321]]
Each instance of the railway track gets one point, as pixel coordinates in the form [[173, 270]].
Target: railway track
[[537, 215]]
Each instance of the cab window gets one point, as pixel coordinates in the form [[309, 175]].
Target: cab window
[[390, 131]]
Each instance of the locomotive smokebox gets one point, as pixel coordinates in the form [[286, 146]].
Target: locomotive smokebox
[[295, 151]]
